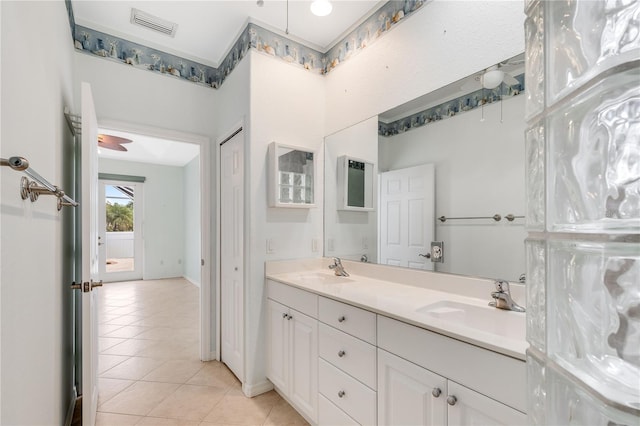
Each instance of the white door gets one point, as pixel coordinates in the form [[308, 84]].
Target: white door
[[232, 254], [277, 344], [89, 225], [303, 361], [472, 408], [407, 215], [120, 230], [409, 394]]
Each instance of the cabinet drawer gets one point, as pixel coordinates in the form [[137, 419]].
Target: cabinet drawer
[[352, 320], [348, 394], [351, 355], [300, 300], [330, 415]]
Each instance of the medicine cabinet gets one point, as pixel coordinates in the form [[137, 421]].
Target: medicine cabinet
[[355, 184], [292, 174]]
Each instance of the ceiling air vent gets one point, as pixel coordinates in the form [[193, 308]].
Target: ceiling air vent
[[154, 23]]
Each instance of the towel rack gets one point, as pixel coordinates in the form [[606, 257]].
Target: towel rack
[[39, 185], [510, 217]]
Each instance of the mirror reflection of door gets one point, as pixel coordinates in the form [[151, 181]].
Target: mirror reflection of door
[[120, 235]]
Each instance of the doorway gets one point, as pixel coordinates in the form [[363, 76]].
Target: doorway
[[120, 242], [170, 179]]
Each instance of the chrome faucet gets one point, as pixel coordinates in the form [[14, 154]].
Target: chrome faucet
[[503, 299], [337, 267]]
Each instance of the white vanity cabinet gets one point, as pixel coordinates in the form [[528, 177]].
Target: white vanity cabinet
[[416, 372], [292, 340]]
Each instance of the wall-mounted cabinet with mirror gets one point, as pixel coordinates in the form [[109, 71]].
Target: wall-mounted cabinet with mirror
[[292, 173], [355, 184], [466, 142]]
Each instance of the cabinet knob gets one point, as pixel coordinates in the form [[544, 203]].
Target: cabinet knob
[[341, 394], [284, 315], [451, 400], [289, 317], [341, 354], [341, 318], [436, 392]]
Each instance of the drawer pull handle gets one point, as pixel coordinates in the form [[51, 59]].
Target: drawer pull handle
[[341, 394], [341, 354], [342, 318], [451, 400], [436, 392]]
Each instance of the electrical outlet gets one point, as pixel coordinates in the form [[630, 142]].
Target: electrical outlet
[[437, 251]]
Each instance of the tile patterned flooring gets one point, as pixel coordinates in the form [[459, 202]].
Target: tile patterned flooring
[[149, 367]]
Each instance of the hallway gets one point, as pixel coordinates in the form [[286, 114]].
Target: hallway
[[149, 367]]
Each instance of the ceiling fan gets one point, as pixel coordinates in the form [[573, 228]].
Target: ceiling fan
[[112, 142], [493, 76]]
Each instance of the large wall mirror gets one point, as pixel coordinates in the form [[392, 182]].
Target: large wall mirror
[[448, 179]]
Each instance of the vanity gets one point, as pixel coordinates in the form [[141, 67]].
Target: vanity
[[393, 346]]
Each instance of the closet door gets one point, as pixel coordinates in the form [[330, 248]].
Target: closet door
[[232, 254]]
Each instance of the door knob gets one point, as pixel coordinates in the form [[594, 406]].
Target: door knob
[[94, 285], [426, 256], [451, 400]]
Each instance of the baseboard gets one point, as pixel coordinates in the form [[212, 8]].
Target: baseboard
[[211, 356], [257, 389], [192, 281]]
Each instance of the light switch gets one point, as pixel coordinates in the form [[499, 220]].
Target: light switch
[[270, 246], [314, 245]]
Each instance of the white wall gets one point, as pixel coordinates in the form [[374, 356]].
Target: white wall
[[163, 221], [479, 168], [192, 231], [437, 45], [345, 231], [37, 240], [287, 106], [131, 95]]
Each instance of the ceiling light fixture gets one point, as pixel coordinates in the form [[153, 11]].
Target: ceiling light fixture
[[321, 7], [492, 78]]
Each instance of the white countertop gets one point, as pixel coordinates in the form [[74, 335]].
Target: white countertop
[[490, 328]]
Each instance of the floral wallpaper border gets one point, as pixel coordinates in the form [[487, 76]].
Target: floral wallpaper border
[[253, 36], [451, 108]]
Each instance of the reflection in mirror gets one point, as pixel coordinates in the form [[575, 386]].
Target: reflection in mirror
[[355, 184], [473, 138], [291, 176]]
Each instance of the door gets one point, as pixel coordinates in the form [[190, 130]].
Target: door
[[277, 344], [232, 254], [89, 233], [409, 394], [468, 407], [120, 230], [303, 361], [407, 216]]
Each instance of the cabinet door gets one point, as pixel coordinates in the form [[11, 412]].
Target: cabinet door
[[277, 342], [303, 361], [473, 408], [407, 393]]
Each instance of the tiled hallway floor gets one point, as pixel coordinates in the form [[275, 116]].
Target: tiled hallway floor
[[149, 368]]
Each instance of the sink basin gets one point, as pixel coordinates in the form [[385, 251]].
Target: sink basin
[[487, 319], [318, 277]]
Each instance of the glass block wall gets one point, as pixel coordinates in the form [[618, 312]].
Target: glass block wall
[[583, 211]]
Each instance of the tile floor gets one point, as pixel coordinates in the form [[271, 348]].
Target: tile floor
[[149, 368]]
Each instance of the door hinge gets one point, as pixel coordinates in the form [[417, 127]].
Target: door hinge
[[201, 262]]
